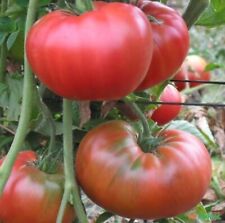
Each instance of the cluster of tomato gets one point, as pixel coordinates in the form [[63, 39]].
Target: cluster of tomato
[[106, 54]]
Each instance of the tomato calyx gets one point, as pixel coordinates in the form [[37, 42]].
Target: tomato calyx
[[149, 144], [79, 7], [154, 20], [49, 164]]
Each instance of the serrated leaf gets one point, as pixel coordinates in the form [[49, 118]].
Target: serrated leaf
[[103, 217]]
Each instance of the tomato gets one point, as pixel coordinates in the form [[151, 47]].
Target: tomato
[[171, 42], [117, 175], [165, 113], [100, 55], [31, 195], [193, 69]]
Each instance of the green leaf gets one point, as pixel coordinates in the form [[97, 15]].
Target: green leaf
[[22, 3], [197, 214], [213, 15], [4, 140], [11, 96], [103, 217], [187, 127], [213, 66], [4, 98], [3, 37], [7, 25], [11, 39], [15, 86], [217, 4]]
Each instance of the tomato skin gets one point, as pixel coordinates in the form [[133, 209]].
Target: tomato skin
[[31, 195], [118, 176], [165, 113], [100, 55], [192, 69], [170, 42]]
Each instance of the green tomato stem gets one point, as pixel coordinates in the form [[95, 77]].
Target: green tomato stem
[[71, 186], [193, 11], [23, 124], [141, 116]]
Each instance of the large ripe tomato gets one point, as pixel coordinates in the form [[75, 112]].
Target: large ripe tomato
[[170, 40], [165, 113], [100, 55], [31, 195], [193, 69], [117, 175]]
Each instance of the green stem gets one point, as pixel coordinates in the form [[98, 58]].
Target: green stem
[[71, 186], [141, 116], [193, 11], [23, 125], [83, 5]]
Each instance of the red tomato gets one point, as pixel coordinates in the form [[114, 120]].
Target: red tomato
[[117, 175], [170, 40], [100, 55], [31, 195], [193, 69], [165, 113]]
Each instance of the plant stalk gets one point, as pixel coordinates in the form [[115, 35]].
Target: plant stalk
[[193, 11], [141, 116], [26, 108], [71, 187]]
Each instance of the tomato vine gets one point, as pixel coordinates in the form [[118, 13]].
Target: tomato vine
[[21, 132], [71, 187]]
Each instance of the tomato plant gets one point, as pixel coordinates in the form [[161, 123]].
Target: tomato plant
[[170, 42], [117, 175], [99, 55], [31, 195], [165, 112], [193, 69]]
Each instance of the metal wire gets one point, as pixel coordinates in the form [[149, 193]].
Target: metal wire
[[190, 103], [199, 81], [183, 103]]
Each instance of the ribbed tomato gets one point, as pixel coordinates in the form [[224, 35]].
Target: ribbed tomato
[[170, 41], [116, 174], [31, 195], [99, 55]]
